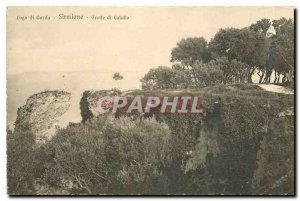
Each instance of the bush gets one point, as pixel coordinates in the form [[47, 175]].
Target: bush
[[268, 178], [85, 112], [22, 165], [221, 71], [165, 78], [245, 135], [108, 156]]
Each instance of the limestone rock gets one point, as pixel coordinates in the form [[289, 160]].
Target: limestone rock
[[41, 113]]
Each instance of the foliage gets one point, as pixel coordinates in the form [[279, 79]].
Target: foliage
[[22, 165], [241, 44], [220, 71], [245, 136], [275, 165], [208, 74], [282, 50], [117, 76], [116, 91], [249, 49], [227, 152], [108, 156], [262, 26], [86, 114], [190, 50], [164, 78], [243, 144]]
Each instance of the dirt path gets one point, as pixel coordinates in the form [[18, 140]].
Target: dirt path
[[276, 88]]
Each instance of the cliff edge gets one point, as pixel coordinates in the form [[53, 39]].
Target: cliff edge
[[41, 113]]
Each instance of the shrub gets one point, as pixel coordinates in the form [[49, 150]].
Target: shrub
[[165, 78], [86, 114], [22, 165], [108, 156]]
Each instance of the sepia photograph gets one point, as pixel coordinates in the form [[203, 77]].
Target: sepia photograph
[[150, 101]]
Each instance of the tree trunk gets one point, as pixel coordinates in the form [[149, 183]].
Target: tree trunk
[[249, 75], [261, 76], [284, 78], [268, 76], [276, 77]]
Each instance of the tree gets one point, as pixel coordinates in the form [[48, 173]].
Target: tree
[[190, 50], [282, 50], [117, 76], [164, 78], [221, 70], [262, 26], [280, 57], [261, 29], [244, 45], [208, 74]]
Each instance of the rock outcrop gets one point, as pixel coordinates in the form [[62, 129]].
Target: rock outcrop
[[88, 102], [41, 113]]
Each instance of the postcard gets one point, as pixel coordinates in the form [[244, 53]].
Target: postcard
[[150, 101]]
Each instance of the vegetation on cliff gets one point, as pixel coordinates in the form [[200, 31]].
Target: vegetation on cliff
[[243, 145], [232, 56]]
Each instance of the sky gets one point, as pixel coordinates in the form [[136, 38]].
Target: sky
[[130, 46]]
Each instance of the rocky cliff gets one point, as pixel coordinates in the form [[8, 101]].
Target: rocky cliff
[[41, 113], [88, 102], [243, 144], [247, 134]]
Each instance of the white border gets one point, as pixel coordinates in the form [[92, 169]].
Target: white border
[[150, 3], [3, 4]]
